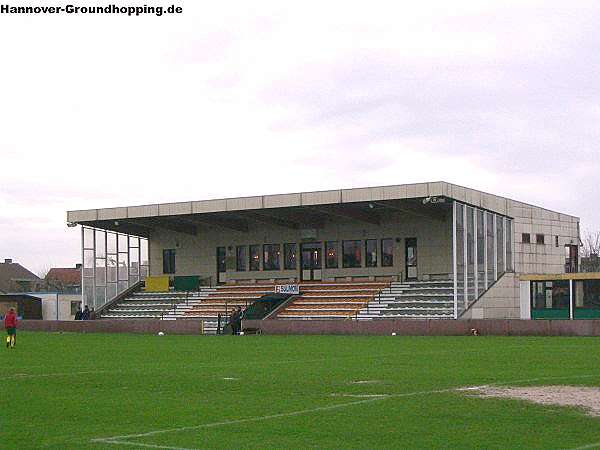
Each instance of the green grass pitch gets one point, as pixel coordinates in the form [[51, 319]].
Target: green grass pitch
[[74, 391]]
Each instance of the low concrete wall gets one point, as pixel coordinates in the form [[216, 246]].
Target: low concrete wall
[[114, 326], [497, 327]]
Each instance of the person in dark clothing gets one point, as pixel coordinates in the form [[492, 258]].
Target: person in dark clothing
[[240, 315], [92, 314], [78, 314], [85, 315], [234, 321]]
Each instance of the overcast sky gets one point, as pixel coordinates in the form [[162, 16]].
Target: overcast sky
[[244, 98]]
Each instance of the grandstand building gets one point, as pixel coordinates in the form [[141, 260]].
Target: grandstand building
[[426, 250]]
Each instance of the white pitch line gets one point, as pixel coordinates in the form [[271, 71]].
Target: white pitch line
[[120, 439], [139, 444], [55, 374], [585, 447], [270, 416]]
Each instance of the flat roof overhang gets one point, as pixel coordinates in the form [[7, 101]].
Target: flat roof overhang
[[297, 218], [296, 210]]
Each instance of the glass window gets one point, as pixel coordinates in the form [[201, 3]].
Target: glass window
[[241, 256], [111, 268], [351, 254], [124, 264], [587, 294], [480, 249], [371, 252], [100, 244], [144, 252], [509, 255], [460, 250], [526, 238], [539, 239], [490, 247], [387, 252], [331, 252], [271, 253], [470, 234], [88, 238], [111, 242], [255, 257], [134, 262], [88, 263], [500, 242], [122, 243], [289, 256], [550, 299], [168, 260], [100, 272]]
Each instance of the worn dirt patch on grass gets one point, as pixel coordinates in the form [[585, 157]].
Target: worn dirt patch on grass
[[587, 398]]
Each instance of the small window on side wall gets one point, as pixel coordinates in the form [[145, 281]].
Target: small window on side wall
[[539, 239], [526, 238]]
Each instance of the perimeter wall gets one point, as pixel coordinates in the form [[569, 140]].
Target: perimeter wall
[[498, 327]]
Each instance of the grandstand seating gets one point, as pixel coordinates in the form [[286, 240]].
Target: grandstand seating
[[331, 300], [318, 300], [154, 305], [412, 300]]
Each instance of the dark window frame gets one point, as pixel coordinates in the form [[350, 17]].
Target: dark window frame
[[269, 265], [345, 261], [241, 261], [540, 239], [224, 266], [384, 262], [368, 262], [169, 265], [335, 245], [286, 247], [526, 240], [254, 263]]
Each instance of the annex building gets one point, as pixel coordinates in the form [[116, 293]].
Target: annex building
[[449, 247]]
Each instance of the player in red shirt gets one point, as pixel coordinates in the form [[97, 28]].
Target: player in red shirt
[[10, 323]]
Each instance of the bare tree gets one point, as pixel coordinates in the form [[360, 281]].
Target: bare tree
[[590, 252]]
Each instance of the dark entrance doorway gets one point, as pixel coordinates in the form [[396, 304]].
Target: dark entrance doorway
[[571, 258], [221, 266], [411, 258], [310, 261]]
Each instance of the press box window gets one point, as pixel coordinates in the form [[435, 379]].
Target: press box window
[[169, 260], [526, 238], [241, 256], [255, 257], [387, 252], [351, 254], [289, 256], [271, 253], [371, 252], [539, 239], [331, 251]]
